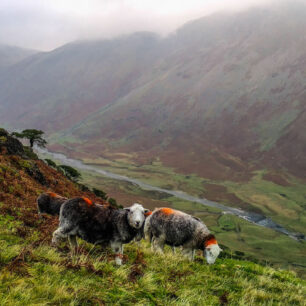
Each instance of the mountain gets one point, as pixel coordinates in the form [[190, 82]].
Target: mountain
[[10, 55], [221, 97]]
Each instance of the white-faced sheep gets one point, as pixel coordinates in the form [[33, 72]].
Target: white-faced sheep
[[50, 203], [175, 228], [97, 224]]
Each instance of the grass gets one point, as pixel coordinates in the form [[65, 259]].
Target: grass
[[38, 274]]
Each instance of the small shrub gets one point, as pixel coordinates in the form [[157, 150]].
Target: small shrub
[[29, 153], [71, 173], [3, 139], [24, 164], [11, 189], [83, 187], [101, 194], [113, 202], [50, 163]]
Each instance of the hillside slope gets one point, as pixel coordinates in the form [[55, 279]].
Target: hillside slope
[[10, 55], [23, 177], [33, 272], [223, 94]]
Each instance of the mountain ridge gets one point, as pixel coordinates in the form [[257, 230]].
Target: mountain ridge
[[223, 93]]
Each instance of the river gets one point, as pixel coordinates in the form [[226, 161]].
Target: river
[[249, 216]]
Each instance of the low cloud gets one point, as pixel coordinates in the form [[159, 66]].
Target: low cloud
[[47, 24]]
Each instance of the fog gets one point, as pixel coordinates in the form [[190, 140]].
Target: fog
[[47, 24]]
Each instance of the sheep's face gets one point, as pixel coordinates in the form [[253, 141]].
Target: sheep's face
[[211, 253], [136, 215]]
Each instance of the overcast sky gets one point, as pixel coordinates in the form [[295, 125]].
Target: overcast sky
[[47, 24]]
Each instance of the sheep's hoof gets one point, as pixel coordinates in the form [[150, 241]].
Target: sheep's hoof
[[118, 260]]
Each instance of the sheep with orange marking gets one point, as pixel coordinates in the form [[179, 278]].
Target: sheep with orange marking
[[80, 217], [175, 228], [50, 203]]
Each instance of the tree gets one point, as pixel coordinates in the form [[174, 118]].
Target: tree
[[71, 173], [34, 136]]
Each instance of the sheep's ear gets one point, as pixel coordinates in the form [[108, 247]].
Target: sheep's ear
[[127, 209]]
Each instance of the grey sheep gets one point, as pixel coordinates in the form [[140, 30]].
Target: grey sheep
[[80, 217], [175, 228]]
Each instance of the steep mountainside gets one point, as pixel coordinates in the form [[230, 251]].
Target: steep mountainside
[[223, 95], [23, 177]]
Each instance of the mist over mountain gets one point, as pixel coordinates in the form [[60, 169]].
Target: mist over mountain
[[221, 96]]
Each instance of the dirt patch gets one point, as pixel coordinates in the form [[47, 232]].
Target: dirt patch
[[223, 299], [176, 275]]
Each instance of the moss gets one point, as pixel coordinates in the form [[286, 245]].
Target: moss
[[25, 164], [3, 139]]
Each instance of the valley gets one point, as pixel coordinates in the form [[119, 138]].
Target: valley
[[238, 235]]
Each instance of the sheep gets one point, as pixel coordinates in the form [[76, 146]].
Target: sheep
[[175, 228], [80, 217], [50, 203], [141, 234]]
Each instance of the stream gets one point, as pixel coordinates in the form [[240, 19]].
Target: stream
[[254, 218]]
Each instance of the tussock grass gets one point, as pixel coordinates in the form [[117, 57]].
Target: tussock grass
[[38, 274]]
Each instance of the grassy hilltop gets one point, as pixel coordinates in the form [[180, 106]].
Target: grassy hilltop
[[33, 272]]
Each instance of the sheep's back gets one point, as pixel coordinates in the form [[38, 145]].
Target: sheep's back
[[177, 228]]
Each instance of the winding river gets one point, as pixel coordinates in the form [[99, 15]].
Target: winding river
[[249, 216]]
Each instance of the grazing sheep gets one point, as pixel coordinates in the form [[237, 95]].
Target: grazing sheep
[[99, 224], [50, 203], [175, 228]]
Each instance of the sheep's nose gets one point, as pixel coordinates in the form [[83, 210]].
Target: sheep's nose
[[137, 223]]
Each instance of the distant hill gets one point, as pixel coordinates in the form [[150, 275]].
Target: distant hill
[[222, 96], [10, 55]]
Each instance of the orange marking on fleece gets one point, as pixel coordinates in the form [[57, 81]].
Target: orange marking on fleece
[[149, 213], [52, 194], [167, 211], [88, 201], [210, 242]]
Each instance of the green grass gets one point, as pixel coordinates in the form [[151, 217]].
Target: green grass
[[284, 204], [37, 274]]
